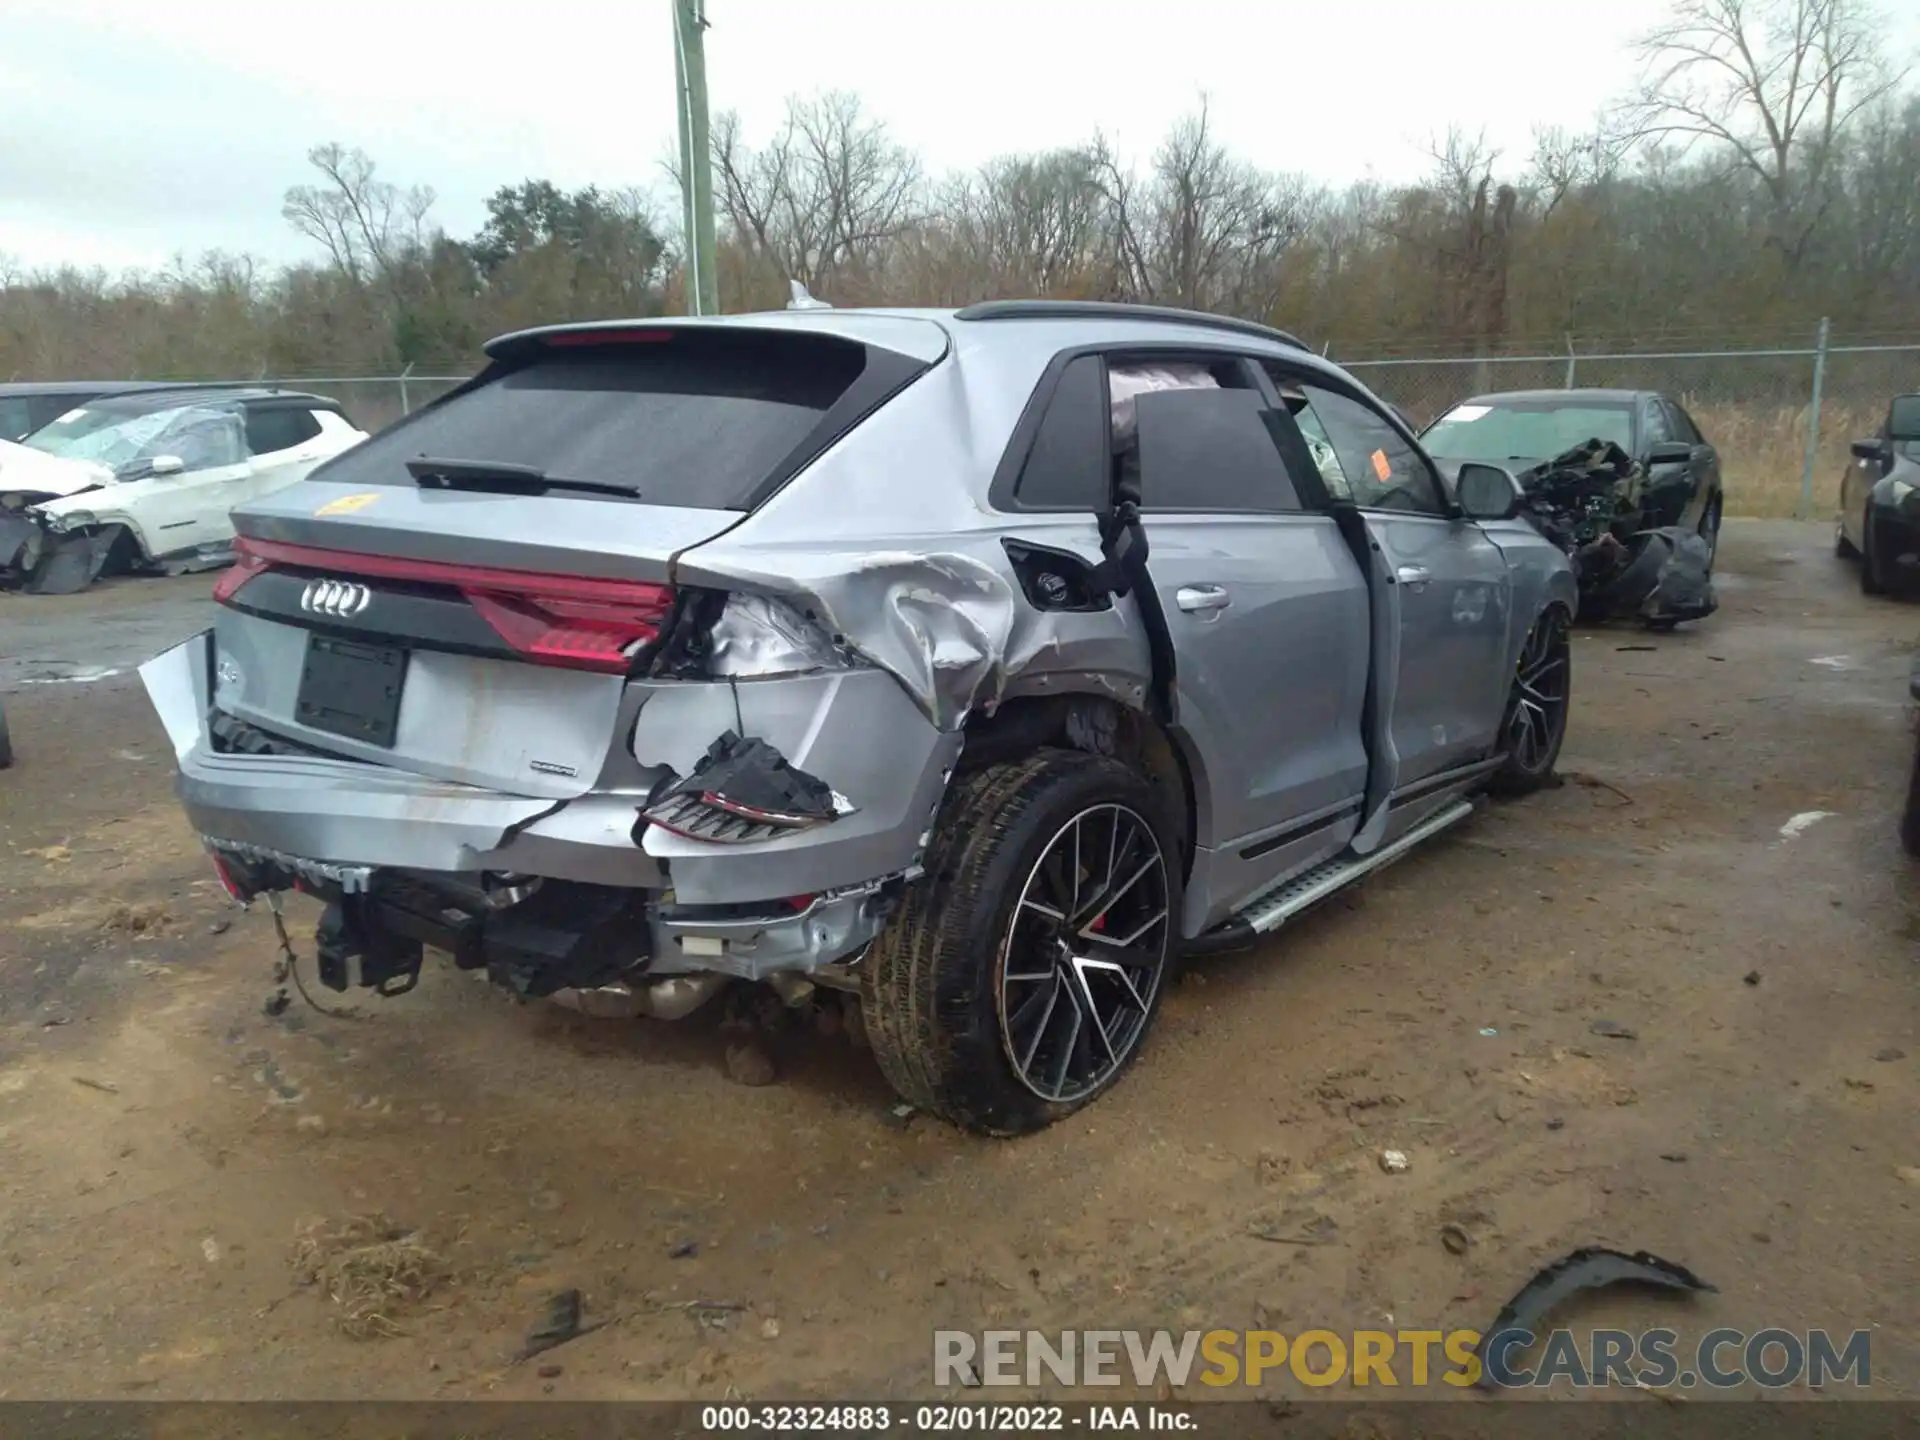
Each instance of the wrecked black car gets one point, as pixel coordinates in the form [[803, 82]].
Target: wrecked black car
[[1622, 481]]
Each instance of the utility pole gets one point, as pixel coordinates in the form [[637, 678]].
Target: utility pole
[[696, 154]]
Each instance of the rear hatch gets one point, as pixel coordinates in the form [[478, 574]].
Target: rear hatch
[[465, 594]]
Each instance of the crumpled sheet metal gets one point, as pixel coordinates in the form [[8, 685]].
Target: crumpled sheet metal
[[949, 626], [758, 635], [942, 624]]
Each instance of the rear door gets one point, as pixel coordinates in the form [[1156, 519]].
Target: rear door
[[1447, 589], [188, 509], [285, 443], [1268, 615]]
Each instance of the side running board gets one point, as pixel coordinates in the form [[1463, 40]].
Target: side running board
[[1268, 912]]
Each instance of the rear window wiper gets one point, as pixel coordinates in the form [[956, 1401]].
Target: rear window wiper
[[499, 478]]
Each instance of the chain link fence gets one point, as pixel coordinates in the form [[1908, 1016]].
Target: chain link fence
[[1782, 433], [1781, 418]]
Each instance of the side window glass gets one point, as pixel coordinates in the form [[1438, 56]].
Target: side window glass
[[1210, 450], [279, 429], [1682, 423], [1068, 465], [1326, 459], [1653, 419], [1380, 470]]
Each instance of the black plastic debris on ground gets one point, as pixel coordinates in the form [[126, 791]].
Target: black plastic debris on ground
[[1521, 1320], [560, 1324]]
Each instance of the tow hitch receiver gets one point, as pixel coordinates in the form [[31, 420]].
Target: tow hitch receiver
[[389, 961]]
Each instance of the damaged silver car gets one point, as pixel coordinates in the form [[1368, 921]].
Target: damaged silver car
[[980, 662]]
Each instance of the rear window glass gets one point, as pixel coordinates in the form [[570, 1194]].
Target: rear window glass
[[697, 421]]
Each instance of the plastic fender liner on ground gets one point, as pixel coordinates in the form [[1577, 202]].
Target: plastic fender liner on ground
[[1589, 1268], [1684, 588]]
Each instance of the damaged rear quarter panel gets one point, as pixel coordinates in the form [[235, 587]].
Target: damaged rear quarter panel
[[928, 594], [856, 730]]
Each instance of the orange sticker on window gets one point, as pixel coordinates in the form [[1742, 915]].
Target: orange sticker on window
[[1381, 466]]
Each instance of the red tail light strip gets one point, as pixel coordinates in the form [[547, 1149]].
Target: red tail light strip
[[574, 339], [574, 621]]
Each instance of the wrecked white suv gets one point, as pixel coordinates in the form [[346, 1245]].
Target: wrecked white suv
[[979, 662], [145, 481]]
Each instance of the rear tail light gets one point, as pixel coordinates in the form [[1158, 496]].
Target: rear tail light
[[246, 564], [230, 883], [572, 621]]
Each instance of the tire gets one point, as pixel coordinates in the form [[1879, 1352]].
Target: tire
[[1535, 724], [1710, 532], [6, 743], [950, 1021], [1910, 815], [1871, 582], [1842, 546]]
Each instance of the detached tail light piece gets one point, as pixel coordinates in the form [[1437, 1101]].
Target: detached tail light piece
[[742, 791]]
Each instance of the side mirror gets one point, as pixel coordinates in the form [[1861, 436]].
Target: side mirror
[[1670, 452], [166, 465], [1488, 492], [1868, 450]]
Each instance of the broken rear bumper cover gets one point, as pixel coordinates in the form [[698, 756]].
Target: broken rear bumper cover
[[431, 858]]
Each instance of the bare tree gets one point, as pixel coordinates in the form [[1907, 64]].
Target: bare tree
[[1772, 83], [827, 194], [363, 222], [1565, 162], [1029, 224]]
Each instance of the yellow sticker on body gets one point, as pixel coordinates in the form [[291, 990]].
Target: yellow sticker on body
[[1381, 465], [347, 504]]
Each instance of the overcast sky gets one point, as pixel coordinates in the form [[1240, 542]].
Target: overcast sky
[[132, 130]]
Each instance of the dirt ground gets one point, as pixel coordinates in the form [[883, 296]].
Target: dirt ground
[[162, 1139]]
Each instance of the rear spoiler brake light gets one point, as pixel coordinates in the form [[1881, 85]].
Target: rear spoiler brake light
[[570, 339]]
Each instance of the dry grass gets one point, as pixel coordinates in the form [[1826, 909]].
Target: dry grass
[[370, 1268], [1763, 452]]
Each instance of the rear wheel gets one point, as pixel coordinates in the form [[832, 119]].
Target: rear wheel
[[1842, 546], [1020, 978], [1536, 718], [6, 743]]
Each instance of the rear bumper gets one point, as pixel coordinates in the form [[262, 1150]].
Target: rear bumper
[[341, 825]]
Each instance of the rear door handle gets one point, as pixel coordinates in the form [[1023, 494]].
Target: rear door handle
[[1202, 597], [1414, 577]]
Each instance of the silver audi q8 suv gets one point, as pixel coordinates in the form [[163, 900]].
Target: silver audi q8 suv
[[982, 662]]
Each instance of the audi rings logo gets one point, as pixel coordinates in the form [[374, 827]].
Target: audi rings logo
[[338, 598]]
